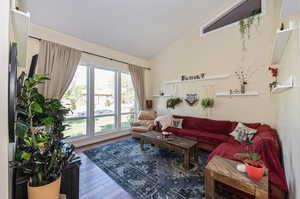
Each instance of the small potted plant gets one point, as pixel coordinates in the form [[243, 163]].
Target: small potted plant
[[254, 167], [41, 153], [172, 102], [207, 102]]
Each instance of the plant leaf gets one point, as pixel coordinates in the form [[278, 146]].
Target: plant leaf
[[21, 129], [25, 156], [35, 107]]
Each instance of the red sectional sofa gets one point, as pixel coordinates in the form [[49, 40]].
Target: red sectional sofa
[[214, 136]]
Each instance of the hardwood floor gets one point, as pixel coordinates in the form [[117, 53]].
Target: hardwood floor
[[94, 182]]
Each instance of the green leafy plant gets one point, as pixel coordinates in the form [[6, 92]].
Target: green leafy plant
[[172, 102], [251, 158], [41, 152], [246, 24], [207, 102]]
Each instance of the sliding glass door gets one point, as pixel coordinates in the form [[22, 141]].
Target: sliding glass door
[[101, 100]]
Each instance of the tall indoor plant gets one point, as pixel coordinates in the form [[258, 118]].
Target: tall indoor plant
[[41, 152]]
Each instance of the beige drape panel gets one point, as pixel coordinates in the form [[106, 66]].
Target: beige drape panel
[[59, 63], [137, 76]]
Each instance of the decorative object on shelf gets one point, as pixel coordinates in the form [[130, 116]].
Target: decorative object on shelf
[[236, 92], [274, 72], [192, 99], [41, 152], [172, 102], [245, 26], [281, 26], [193, 77], [149, 104], [161, 92], [207, 102], [243, 78]]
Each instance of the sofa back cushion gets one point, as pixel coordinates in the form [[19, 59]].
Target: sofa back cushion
[[213, 126]]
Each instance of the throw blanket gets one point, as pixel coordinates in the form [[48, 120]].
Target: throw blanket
[[266, 144]]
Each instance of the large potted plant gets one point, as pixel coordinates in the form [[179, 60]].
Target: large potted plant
[[41, 153]]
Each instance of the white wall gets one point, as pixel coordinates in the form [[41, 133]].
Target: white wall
[[289, 111], [218, 53], [4, 43]]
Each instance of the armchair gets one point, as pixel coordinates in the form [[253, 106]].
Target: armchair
[[144, 123]]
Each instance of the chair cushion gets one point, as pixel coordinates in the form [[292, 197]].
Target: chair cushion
[[147, 115], [140, 128]]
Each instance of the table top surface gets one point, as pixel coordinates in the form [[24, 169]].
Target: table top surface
[[227, 168], [172, 139]]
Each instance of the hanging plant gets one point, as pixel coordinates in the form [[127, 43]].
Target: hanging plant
[[246, 24], [207, 102], [172, 102]]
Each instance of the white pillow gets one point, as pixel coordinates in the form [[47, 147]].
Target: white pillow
[[165, 121], [242, 132]]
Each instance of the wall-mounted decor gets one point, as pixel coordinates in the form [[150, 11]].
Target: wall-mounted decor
[[172, 102], [206, 77], [274, 72], [193, 77], [207, 102], [192, 99], [236, 92]]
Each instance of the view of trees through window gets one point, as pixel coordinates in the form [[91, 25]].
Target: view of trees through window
[[109, 110]]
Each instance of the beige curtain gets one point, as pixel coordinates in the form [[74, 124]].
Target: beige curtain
[[59, 63], [137, 75]]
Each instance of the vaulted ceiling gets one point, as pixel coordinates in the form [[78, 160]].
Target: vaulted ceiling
[[137, 27]]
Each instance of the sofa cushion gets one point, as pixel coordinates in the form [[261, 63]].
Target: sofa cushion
[[212, 126], [201, 136]]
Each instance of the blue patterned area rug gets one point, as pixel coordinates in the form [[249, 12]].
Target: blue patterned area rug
[[156, 173]]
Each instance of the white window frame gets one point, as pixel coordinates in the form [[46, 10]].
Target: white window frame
[[90, 116]]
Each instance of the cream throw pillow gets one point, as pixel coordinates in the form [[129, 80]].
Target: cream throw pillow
[[241, 133], [165, 121]]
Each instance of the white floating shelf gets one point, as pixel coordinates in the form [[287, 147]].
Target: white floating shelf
[[227, 94], [162, 95], [19, 31], [204, 79], [282, 87], [282, 39]]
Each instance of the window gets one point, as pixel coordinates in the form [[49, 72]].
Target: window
[[101, 101], [75, 98], [128, 105]]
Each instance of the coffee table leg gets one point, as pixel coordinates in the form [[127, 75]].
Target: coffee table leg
[[196, 154], [186, 161], [209, 186], [142, 145]]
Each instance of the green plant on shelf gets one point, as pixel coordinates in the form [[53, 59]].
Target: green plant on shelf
[[207, 102], [172, 102]]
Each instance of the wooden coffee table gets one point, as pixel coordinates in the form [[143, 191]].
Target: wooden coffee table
[[224, 171], [178, 144]]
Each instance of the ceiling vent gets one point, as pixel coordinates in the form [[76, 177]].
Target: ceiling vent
[[241, 10]]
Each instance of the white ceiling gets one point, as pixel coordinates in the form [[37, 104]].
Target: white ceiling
[[137, 27], [290, 7]]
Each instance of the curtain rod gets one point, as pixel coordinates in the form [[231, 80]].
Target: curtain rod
[[111, 59]]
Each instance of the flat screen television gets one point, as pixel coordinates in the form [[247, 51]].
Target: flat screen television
[[12, 86]]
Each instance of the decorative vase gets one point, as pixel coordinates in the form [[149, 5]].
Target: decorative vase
[[48, 191], [255, 173], [243, 88]]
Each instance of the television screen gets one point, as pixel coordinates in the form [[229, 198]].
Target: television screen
[[12, 90]]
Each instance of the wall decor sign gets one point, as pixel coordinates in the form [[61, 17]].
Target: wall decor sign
[[192, 77], [191, 99]]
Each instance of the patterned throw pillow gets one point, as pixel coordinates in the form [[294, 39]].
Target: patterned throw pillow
[[177, 123], [243, 133]]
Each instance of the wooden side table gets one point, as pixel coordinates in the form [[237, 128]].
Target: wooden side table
[[224, 171]]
